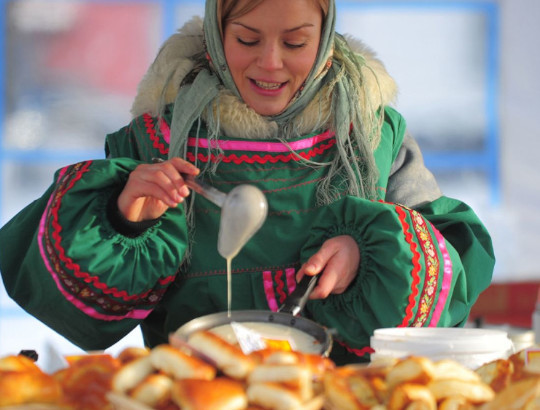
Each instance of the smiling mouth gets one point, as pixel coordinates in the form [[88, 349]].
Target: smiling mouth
[[267, 86]]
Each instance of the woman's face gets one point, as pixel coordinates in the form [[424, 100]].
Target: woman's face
[[270, 51]]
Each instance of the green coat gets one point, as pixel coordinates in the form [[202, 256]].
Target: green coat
[[64, 262]]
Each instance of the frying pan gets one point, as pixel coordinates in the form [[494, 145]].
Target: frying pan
[[287, 315]]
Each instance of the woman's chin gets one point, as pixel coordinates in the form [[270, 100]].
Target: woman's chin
[[267, 109]]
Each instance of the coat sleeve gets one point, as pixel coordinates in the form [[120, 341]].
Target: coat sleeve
[[419, 267], [64, 263], [410, 183]]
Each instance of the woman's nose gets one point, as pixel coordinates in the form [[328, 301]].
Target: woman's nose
[[270, 58]]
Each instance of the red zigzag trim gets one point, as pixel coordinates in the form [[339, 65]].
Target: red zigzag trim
[[86, 277], [416, 267], [263, 159], [151, 130], [358, 352]]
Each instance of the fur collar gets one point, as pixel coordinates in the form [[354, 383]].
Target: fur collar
[[174, 61]]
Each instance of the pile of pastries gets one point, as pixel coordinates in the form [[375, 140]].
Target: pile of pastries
[[206, 372]]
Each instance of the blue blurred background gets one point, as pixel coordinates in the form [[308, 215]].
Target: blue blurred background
[[467, 72]]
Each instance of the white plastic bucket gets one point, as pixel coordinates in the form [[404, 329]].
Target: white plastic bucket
[[469, 346]]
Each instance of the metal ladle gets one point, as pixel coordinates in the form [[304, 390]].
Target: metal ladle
[[243, 211]]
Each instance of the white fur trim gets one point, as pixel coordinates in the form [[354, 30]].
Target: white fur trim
[[174, 61]]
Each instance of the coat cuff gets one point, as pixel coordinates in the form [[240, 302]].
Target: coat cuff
[[121, 224]]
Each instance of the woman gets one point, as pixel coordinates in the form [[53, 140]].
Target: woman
[[264, 93]]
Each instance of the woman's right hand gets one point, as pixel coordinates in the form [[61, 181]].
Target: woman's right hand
[[151, 189]]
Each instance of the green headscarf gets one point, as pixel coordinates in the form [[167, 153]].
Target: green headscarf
[[336, 68], [214, 45]]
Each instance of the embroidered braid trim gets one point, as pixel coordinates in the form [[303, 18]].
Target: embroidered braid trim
[[79, 287]]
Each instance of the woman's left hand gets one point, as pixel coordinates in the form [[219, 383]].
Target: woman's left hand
[[337, 262]]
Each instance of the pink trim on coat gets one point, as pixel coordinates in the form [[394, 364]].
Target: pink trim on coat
[[268, 283], [165, 131], [262, 145], [447, 279], [290, 274]]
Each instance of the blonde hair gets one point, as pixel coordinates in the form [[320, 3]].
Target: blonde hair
[[231, 9]]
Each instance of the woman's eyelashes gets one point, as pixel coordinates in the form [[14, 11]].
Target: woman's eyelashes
[[294, 45], [252, 43], [248, 43]]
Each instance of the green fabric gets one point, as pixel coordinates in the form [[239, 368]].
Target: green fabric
[[377, 296], [64, 263], [93, 285], [86, 256]]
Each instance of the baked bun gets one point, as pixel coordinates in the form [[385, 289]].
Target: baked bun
[[228, 358], [180, 365], [131, 353], [353, 387], [18, 363], [497, 373], [522, 394], [413, 369], [154, 391], [410, 395], [450, 369], [525, 363], [317, 364], [476, 393], [456, 403], [25, 387], [87, 380], [131, 374], [220, 393], [276, 396], [295, 377]]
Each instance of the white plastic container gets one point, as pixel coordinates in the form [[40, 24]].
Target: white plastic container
[[471, 347]]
